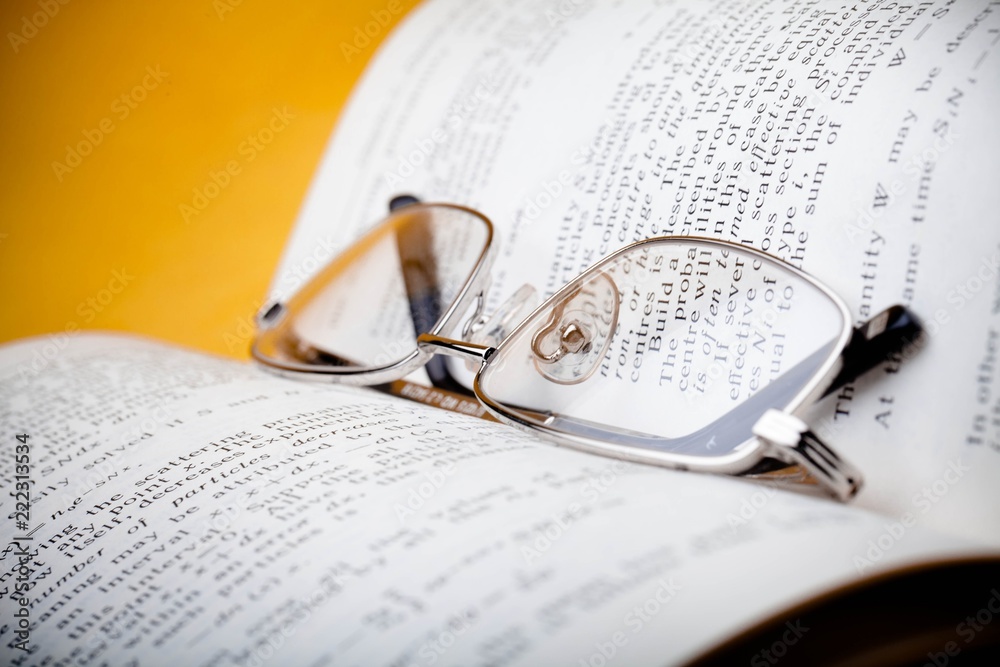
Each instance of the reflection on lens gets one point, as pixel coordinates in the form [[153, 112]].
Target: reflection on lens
[[672, 345], [366, 309]]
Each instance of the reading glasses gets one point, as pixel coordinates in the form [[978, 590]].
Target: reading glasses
[[679, 351]]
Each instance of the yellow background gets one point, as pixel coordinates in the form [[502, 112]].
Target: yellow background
[[226, 66]]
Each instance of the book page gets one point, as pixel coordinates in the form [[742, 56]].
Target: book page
[[190, 510], [857, 143]]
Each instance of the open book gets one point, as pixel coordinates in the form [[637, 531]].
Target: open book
[[171, 507]]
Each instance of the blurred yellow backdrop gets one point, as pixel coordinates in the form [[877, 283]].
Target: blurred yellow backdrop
[[155, 155]]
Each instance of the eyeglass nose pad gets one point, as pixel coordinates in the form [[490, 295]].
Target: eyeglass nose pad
[[569, 347], [489, 331]]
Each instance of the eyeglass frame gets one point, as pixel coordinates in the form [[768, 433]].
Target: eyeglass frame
[[778, 433]]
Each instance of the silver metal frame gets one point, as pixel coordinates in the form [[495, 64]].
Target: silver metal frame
[[744, 456], [778, 434], [274, 316]]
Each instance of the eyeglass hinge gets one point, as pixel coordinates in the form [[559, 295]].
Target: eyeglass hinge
[[794, 442], [456, 348], [270, 314]]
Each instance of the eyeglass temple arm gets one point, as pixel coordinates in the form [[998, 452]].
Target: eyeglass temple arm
[[887, 334], [399, 201], [424, 306]]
